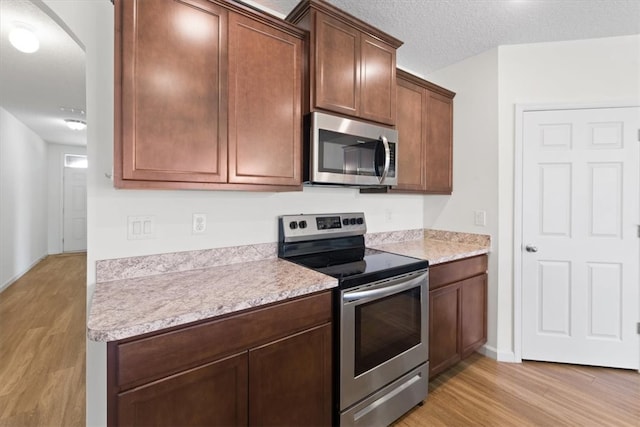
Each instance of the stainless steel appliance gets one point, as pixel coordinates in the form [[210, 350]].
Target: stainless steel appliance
[[344, 151], [380, 316]]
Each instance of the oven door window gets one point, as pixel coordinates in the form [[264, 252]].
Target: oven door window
[[385, 328]]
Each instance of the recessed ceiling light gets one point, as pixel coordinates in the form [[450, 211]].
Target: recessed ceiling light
[[74, 124], [24, 39]]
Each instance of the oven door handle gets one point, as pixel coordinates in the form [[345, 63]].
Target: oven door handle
[[383, 291]]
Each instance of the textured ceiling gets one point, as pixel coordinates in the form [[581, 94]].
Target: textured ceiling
[[34, 86], [436, 33]]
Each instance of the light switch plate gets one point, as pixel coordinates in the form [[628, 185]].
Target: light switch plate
[[480, 218], [141, 227]]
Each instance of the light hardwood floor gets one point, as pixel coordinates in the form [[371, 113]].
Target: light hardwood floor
[[42, 345], [482, 392], [42, 370]]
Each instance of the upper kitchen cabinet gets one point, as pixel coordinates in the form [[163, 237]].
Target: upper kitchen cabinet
[[208, 96], [265, 103], [425, 135], [352, 65]]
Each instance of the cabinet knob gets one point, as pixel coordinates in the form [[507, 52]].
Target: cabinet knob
[[530, 248]]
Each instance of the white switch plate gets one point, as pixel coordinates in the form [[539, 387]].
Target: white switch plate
[[141, 227], [480, 218], [199, 223]]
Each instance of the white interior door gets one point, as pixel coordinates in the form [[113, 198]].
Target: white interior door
[[74, 210], [580, 274]]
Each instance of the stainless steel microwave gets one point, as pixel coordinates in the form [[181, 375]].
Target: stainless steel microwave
[[344, 151]]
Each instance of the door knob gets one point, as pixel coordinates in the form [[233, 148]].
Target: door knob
[[530, 248]]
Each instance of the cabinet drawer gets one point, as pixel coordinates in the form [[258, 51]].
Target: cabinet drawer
[[454, 271], [150, 358]]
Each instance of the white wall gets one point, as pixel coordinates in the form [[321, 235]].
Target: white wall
[[23, 198], [55, 173], [597, 71], [475, 162]]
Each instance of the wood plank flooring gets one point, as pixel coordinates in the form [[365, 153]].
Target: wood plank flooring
[[42, 345], [42, 370], [482, 392]]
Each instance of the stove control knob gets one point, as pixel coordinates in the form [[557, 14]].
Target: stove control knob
[[352, 221], [293, 225], [360, 221], [302, 224], [345, 221]]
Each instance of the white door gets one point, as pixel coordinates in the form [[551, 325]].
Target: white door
[[580, 274], [75, 210]]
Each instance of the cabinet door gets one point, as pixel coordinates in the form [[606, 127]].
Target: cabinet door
[[290, 380], [265, 103], [444, 322], [473, 309], [439, 147], [377, 81], [170, 103], [213, 395], [411, 134], [337, 66]]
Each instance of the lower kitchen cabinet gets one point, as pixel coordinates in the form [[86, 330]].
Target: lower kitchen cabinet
[[457, 311], [290, 380], [267, 366], [213, 394]]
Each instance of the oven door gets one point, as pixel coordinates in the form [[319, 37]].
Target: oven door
[[383, 334]]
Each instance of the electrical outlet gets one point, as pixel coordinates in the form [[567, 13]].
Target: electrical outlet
[[480, 218], [199, 223], [141, 227], [388, 215]]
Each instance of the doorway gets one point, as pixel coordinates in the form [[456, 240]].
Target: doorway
[[577, 249], [74, 210]]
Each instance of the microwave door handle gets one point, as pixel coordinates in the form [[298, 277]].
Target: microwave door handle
[[387, 158]]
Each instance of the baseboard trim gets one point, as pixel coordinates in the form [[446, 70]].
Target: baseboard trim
[[500, 356], [15, 278]]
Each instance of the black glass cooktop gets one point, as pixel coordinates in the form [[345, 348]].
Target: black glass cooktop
[[357, 266]]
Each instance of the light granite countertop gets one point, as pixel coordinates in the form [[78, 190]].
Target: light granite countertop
[[436, 251], [134, 306], [138, 295]]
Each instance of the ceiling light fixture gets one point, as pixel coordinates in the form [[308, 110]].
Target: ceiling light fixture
[[23, 38], [74, 124]]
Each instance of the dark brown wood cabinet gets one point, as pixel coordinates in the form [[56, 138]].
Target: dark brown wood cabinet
[[212, 394], [266, 366], [208, 96], [457, 311], [352, 65], [290, 380], [425, 134], [265, 108]]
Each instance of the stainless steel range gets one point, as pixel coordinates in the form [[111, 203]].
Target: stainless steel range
[[380, 316]]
